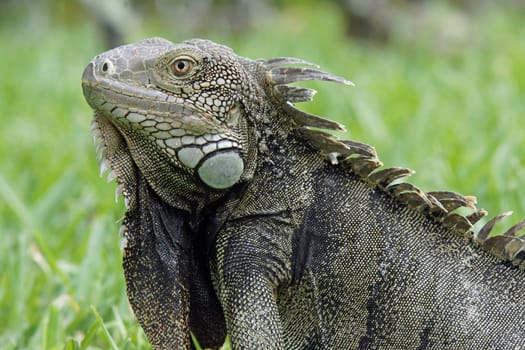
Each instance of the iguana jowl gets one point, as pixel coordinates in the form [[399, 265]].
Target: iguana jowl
[[243, 218]]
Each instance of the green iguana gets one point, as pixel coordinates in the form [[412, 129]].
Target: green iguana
[[244, 218]]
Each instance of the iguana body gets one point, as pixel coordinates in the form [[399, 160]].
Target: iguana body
[[241, 218]]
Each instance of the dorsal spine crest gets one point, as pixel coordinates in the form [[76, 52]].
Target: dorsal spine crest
[[362, 160]]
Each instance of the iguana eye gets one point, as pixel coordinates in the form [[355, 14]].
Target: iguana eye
[[182, 66]]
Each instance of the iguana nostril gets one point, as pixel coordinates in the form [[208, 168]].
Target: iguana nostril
[[107, 66]]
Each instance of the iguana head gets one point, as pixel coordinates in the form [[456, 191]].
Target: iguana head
[[176, 108]]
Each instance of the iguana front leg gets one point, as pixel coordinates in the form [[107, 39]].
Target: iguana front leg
[[249, 268]]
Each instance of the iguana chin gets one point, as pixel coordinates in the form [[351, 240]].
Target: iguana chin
[[243, 217]]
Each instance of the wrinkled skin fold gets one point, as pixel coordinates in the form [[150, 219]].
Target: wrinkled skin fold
[[244, 218], [166, 279]]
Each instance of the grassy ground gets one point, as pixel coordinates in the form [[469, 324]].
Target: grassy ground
[[455, 115]]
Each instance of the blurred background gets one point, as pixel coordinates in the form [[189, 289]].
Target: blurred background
[[440, 88]]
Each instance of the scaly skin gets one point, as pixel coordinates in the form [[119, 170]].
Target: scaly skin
[[241, 217]]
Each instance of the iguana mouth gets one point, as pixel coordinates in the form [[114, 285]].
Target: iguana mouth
[[119, 98]]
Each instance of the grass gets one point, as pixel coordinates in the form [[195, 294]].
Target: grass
[[456, 116]]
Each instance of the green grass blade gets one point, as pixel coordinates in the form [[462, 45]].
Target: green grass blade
[[104, 329]]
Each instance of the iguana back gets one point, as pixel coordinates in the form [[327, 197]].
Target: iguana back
[[243, 217]]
